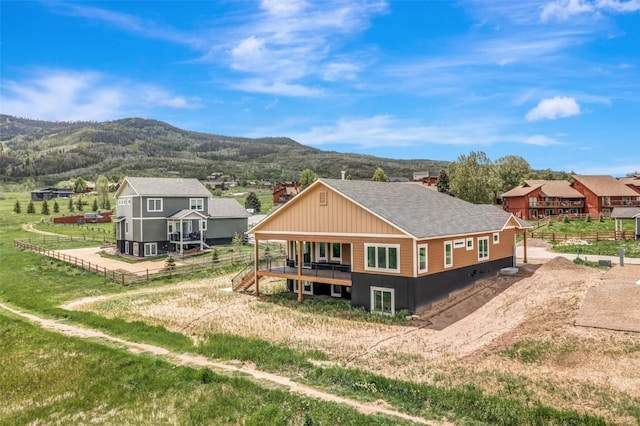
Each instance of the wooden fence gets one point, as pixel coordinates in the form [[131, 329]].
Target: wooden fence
[[123, 277], [586, 236]]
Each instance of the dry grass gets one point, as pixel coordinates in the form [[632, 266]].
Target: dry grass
[[521, 343]]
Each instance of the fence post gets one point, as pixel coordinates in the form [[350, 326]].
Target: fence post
[[123, 279], [147, 274]]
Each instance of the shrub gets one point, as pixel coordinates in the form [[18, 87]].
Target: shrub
[[170, 263], [587, 218], [565, 219], [31, 208], [45, 208], [56, 207], [601, 217], [17, 208]]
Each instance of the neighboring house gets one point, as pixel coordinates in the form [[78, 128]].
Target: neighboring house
[[632, 182], [386, 246], [537, 199], [50, 193], [603, 193], [284, 191], [425, 178], [158, 215]]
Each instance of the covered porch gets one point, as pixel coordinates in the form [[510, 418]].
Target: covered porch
[[308, 264], [185, 230]]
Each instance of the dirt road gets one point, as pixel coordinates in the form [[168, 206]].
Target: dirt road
[[217, 366]]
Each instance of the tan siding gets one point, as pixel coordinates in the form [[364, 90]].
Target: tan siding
[[406, 255], [338, 216]]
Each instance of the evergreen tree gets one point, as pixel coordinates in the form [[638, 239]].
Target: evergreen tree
[[17, 207], [107, 205], [443, 182], [56, 207], [79, 186], [253, 202], [94, 207], [380, 176], [31, 208], [44, 209], [71, 206], [79, 204]]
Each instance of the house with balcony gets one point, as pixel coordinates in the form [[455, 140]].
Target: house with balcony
[[632, 182], [385, 246], [538, 199], [160, 215], [603, 193]]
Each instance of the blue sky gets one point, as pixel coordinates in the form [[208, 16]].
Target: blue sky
[[554, 81]]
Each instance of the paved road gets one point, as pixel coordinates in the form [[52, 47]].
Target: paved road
[[543, 253]]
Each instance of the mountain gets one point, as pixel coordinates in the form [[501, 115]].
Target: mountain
[[53, 151]]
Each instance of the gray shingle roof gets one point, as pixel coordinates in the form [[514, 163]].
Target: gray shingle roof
[[226, 208], [625, 212], [168, 187], [419, 211]]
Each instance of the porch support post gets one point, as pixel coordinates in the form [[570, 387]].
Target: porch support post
[[181, 238], [299, 265], [256, 254], [524, 246]]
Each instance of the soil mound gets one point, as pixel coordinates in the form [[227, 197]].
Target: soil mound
[[560, 263]]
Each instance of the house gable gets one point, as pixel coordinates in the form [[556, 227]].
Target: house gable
[[322, 210]]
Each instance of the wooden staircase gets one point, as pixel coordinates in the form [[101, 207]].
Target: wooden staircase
[[244, 280]]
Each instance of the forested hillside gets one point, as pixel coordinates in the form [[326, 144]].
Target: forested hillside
[[52, 151]]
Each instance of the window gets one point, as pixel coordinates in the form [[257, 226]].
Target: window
[[126, 227], [423, 258], [196, 204], [496, 237], [307, 287], [469, 243], [336, 290], [383, 300], [458, 243], [154, 205], [382, 257], [203, 225], [323, 198], [150, 249], [128, 201], [448, 254], [336, 251], [126, 247], [322, 252], [483, 248], [122, 202]]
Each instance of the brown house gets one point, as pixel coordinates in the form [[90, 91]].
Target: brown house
[[632, 182], [284, 191], [603, 193], [537, 199], [385, 246]]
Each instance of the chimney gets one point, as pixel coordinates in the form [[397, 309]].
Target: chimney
[[342, 173]]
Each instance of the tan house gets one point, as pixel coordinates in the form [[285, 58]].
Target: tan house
[[537, 199], [603, 193], [385, 246]]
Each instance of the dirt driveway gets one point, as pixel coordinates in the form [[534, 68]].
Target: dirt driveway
[[92, 255]]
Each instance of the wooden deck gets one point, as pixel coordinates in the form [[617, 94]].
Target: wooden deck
[[326, 276]]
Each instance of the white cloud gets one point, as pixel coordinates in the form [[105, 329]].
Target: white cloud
[[538, 140], [340, 71], [281, 88], [283, 7], [552, 108], [62, 95], [562, 10]]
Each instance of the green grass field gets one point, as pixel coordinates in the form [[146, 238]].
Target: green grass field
[[48, 378]]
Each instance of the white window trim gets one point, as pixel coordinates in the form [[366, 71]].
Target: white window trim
[[481, 258], [426, 258], [304, 283], [199, 204], [496, 238], [337, 259], [128, 201], [203, 225], [458, 243], [155, 205], [377, 246], [393, 300], [336, 293], [326, 253], [150, 249], [469, 242], [450, 244]]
